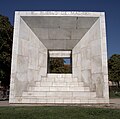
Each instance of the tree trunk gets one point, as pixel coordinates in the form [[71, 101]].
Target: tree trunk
[[118, 84]]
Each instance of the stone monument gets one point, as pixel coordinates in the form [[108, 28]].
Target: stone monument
[[42, 35]]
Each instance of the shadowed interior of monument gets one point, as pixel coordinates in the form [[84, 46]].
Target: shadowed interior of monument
[[59, 32]]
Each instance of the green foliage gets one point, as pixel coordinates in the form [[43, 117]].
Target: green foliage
[[57, 66], [114, 92], [6, 36], [114, 67]]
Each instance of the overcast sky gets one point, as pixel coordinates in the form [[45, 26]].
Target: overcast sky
[[111, 7]]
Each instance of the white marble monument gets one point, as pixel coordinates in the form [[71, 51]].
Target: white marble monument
[[37, 32]]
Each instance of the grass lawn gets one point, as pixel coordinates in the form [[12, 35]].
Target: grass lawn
[[58, 113]]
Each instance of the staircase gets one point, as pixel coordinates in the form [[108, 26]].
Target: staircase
[[58, 89]]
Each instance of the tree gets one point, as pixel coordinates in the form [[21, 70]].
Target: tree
[[114, 68], [57, 65], [6, 36]]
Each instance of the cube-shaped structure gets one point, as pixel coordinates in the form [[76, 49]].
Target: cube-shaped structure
[[40, 37]]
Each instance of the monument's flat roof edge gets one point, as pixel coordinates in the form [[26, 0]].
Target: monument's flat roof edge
[[60, 13]]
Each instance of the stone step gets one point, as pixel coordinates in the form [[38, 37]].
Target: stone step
[[59, 80], [54, 98], [60, 100], [65, 80], [58, 88], [37, 100], [59, 84], [64, 94], [29, 95], [59, 75], [37, 93], [80, 84]]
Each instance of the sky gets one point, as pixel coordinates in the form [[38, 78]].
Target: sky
[[110, 7]]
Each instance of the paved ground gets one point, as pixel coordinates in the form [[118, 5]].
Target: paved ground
[[114, 103], [4, 103]]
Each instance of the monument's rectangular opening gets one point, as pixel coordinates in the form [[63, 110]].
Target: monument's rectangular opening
[[59, 62]]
